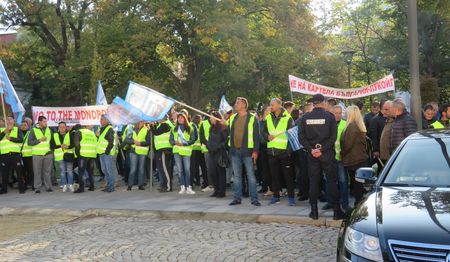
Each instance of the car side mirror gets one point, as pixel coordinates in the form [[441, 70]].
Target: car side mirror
[[366, 176]]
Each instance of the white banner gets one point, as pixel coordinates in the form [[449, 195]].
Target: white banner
[[383, 85], [83, 115]]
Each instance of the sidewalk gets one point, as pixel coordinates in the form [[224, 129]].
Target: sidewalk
[[159, 205]]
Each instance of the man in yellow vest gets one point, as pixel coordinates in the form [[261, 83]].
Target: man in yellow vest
[[27, 159], [85, 143], [161, 132], [198, 158], [140, 142], [39, 139], [62, 145], [444, 122], [106, 152], [243, 128], [278, 151], [11, 139], [205, 127]]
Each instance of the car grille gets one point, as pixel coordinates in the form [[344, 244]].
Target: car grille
[[403, 251]]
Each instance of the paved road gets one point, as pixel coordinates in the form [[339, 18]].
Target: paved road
[[146, 239]]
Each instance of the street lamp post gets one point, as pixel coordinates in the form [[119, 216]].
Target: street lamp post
[[348, 59]]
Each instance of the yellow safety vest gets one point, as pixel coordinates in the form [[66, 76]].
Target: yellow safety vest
[[88, 143], [59, 152], [102, 143], [141, 137], [42, 148], [337, 144], [26, 149], [7, 146], [206, 126], [279, 132], [197, 146], [163, 140], [182, 150], [437, 125], [250, 143]]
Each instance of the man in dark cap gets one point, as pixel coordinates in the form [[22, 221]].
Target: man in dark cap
[[318, 131]]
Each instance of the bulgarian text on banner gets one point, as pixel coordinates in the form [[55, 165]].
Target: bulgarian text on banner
[[83, 115], [383, 85]]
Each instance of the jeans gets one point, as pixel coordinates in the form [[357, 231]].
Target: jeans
[[137, 165], [65, 172], [237, 160], [183, 164], [343, 184], [106, 163]]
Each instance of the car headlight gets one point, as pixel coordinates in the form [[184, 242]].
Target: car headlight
[[363, 245]]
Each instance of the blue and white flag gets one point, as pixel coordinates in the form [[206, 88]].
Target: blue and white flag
[[181, 136], [224, 107], [140, 104], [101, 98], [292, 134], [10, 95]]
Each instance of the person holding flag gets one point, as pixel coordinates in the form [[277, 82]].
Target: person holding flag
[[279, 153], [182, 138], [140, 145], [11, 139]]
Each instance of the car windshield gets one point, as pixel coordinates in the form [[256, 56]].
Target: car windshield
[[421, 162]]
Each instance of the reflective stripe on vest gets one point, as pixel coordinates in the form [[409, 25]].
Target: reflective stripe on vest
[[26, 149], [59, 152], [88, 143], [437, 125], [337, 144], [281, 140], [43, 147], [163, 140], [251, 122], [206, 126], [102, 143], [140, 137], [182, 150], [7, 146]]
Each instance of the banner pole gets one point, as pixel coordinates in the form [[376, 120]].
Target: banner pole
[[3, 107], [197, 110]]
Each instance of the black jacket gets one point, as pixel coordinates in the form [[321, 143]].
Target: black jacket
[[110, 137], [318, 127], [218, 139], [376, 128]]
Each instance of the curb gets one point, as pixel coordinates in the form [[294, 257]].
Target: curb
[[173, 215]]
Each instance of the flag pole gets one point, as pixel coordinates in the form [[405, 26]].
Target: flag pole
[[3, 104], [196, 110]]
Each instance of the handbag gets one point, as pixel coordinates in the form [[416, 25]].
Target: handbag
[[223, 159]]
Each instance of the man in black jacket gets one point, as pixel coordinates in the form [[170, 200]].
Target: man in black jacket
[[403, 125], [376, 127], [318, 136]]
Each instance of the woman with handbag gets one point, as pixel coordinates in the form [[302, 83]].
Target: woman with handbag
[[218, 155], [354, 148]]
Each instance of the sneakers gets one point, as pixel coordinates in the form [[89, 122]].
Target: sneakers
[[274, 200], [189, 191], [64, 189], [208, 189], [71, 188], [49, 190], [256, 203], [182, 190], [235, 202]]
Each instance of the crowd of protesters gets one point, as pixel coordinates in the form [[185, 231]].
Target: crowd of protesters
[[249, 150]]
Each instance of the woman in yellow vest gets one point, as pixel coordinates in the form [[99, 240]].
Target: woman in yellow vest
[[62, 145], [182, 138]]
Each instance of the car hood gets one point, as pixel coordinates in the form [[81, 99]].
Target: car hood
[[416, 214]]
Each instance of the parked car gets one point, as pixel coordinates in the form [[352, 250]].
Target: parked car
[[406, 216]]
